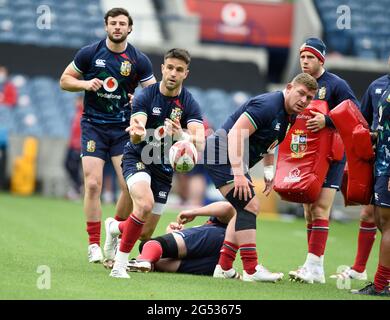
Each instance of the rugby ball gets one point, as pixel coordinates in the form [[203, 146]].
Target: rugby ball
[[183, 156]]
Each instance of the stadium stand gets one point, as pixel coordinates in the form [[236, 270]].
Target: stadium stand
[[70, 23], [366, 38]]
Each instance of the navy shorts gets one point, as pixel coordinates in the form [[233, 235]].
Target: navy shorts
[[215, 161], [102, 140], [203, 248], [221, 174], [335, 174], [200, 266], [160, 184], [382, 191]]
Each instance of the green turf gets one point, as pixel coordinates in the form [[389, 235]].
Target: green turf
[[37, 231]]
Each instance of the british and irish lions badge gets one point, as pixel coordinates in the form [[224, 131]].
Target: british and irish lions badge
[[298, 144]]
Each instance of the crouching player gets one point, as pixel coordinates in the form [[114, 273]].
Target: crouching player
[[256, 128]]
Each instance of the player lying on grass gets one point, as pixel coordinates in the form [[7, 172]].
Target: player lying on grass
[[194, 250]]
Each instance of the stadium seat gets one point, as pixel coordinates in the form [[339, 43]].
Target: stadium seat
[[360, 40], [72, 22]]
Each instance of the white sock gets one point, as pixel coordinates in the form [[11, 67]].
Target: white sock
[[312, 260], [121, 258]]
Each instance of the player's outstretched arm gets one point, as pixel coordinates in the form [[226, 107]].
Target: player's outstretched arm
[[137, 129], [222, 210]]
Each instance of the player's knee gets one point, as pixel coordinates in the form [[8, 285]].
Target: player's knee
[[144, 207], [245, 220], [93, 186], [246, 211], [319, 212], [253, 205], [367, 214]]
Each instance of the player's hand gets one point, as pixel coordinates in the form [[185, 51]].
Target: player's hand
[[137, 131], [93, 85], [174, 226], [185, 216], [242, 187], [173, 128], [269, 184], [131, 98], [317, 122]]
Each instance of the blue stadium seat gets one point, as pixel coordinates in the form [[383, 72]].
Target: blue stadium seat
[[362, 39], [8, 36], [5, 12], [72, 23]]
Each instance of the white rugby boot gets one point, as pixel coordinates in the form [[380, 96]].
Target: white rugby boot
[[94, 253], [120, 265], [262, 274], [228, 274], [139, 266], [308, 274], [349, 273]]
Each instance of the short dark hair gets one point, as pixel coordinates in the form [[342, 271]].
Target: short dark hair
[[114, 12], [181, 54], [307, 80]]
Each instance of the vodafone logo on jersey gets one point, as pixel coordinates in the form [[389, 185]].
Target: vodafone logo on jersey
[[110, 84]]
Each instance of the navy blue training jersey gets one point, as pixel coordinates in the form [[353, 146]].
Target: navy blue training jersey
[[157, 107], [369, 104], [121, 73], [382, 157], [334, 90], [268, 115]]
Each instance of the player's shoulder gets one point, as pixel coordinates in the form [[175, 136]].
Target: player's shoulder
[[333, 78], [148, 92], [186, 94], [267, 100], [382, 81]]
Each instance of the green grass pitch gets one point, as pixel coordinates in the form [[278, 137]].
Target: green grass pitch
[[49, 234]]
